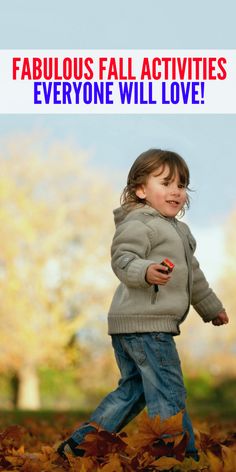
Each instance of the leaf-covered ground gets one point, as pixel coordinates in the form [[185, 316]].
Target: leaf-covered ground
[[31, 447]]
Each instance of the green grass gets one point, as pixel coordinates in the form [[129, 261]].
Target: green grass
[[61, 395], [9, 417], [206, 397]]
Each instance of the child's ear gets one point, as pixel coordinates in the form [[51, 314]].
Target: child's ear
[[140, 192]]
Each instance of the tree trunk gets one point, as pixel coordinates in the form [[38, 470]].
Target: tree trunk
[[14, 382], [28, 393]]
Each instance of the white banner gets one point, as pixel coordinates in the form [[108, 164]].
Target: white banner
[[118, 81]]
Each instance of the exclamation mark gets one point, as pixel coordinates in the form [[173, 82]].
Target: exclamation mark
[[203, 91]]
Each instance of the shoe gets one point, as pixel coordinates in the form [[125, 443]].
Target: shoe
[[71, 447], [193, 455]]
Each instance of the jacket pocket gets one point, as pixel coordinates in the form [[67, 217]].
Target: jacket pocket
[[154, 294], [125, 260]]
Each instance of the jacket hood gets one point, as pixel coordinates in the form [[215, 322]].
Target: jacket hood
[[120, 214]]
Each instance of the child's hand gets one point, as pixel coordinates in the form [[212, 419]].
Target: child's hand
[[220, 319], [155, 277]]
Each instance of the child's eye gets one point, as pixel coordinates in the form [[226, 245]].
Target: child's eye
[[181, 186]]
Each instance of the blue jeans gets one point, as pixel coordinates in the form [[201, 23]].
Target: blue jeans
[[150, 376]]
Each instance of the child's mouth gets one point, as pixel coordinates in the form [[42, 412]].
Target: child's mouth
[[173, 202]]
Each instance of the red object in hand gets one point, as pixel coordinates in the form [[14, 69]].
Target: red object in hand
[[170, 266], [167, 263]]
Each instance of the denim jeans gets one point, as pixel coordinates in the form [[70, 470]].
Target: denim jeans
[[150, 376]]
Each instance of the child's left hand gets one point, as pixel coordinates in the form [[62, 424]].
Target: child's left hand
[[220, 319]]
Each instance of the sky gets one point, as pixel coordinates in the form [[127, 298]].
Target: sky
[[114, 141]]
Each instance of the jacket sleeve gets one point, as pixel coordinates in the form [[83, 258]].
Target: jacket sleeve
[[204, 300], [130, 248]]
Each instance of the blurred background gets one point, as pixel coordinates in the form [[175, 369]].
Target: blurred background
[[60, 179]]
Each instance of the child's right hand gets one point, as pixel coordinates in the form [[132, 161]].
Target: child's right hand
[[155, 277]]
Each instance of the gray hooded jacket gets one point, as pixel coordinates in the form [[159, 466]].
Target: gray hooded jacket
[[143, 236]]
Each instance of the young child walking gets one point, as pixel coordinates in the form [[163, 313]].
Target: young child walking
[[150, 303]]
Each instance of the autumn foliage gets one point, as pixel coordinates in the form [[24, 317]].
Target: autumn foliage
[[55, 275], [154, 445]]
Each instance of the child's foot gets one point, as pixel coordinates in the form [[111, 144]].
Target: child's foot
[[71, 447]]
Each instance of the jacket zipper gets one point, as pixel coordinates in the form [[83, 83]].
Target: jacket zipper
[[154, 294]]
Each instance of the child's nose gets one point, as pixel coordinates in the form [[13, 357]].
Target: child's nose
[[175, 190]]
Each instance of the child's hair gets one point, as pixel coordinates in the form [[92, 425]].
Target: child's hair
[[148, 162]]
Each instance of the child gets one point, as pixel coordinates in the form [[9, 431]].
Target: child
[[150, 304]]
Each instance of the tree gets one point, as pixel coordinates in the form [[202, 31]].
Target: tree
[[226, 289], [56, 226], [213, 348]]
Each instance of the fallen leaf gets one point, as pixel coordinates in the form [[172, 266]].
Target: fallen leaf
[[113, 465], [165, 463]]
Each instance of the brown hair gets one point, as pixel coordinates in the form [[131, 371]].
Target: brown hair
[[148, 162]]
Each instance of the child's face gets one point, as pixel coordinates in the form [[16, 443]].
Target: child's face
[[166, 196]]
